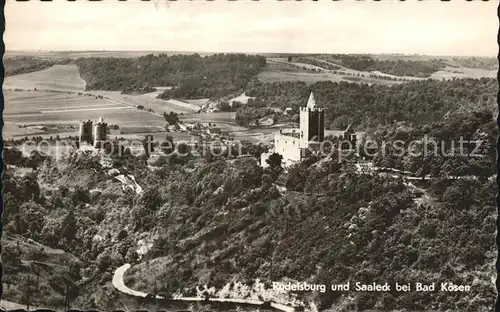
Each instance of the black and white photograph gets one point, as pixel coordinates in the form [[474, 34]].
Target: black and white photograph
[[196, 156]]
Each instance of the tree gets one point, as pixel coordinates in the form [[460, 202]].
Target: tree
[[167, 145], [80, 196], [32, 218], [103, 262], [122, 235], [31, 187], [289, 59], [27, 288], [69, 227], [74, 270], [172, 118]]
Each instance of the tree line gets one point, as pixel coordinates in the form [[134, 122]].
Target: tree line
[[15, 65]]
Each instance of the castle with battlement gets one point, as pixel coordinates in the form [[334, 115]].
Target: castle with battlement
[[292, 144], [93, 133]]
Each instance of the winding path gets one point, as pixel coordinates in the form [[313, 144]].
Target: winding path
[[119, 284]]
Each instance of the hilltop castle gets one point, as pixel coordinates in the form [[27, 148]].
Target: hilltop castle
[[293, 143], [93, 133]]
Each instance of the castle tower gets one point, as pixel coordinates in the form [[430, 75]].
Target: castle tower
[[85, 133], [100, 133], [312, 123]]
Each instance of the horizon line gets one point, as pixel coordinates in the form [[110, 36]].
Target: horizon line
[[239, 52]]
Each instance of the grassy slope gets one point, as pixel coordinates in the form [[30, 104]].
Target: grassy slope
[[52, 265]]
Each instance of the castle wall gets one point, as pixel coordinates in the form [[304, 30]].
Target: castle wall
[[288, 147], [304, 127]]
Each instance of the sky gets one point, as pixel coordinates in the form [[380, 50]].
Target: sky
[[428, 27]]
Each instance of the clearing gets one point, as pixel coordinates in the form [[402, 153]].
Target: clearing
[[242, 98]]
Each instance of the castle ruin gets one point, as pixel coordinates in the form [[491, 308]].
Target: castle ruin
[[93, 133]]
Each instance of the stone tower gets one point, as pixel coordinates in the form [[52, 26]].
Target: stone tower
[[312, 123], [100, 133], [85, 134]]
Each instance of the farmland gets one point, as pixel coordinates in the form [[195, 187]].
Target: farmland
[[79, 54], [61, 98], [149, 101], [280, 69], [464, 72], [224, 120], [58, 77], [60, 111], [55, 99]]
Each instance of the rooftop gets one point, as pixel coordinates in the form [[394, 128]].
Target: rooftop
[[311, 103]]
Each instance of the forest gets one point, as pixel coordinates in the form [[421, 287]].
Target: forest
[[227, 215], [438, 152], [193, 76]]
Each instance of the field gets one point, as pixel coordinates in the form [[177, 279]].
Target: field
[[60, 102], [464, 72], [276, 72], [58, 77], [224, 120], [219, 117], [198, 102], [149, 101], [279, 69], [59, 110]]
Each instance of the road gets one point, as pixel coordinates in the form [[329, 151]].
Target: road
[[119, 284]]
